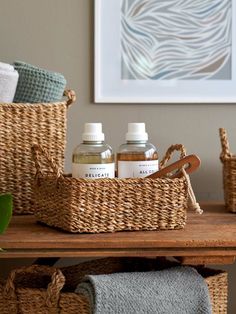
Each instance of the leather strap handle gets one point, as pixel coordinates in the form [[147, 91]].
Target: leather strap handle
[[191, 161]]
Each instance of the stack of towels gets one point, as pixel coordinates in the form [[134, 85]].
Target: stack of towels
[[177, 290], [26, 83]]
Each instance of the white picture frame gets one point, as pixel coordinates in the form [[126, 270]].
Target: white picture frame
[[110, 87]]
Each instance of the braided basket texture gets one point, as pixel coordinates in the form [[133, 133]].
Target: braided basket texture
[[21, 125], [47, 290], [109, 205], [229, 172]]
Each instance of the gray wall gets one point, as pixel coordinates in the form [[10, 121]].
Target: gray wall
[[58, 35]]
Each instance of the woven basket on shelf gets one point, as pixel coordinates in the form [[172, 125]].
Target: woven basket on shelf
[[229, 172], [22, 125], [42, 290], [109, 205]]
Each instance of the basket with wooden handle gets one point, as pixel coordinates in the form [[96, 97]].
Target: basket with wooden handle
[[21, 125], [109, 205]]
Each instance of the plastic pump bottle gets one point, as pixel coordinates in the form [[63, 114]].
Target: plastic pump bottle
[[93, 159], [137, 158]]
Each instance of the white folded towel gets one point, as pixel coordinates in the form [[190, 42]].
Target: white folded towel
[[8, 82]]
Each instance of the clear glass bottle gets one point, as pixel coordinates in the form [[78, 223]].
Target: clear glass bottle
[[137, 158], [93, 159]]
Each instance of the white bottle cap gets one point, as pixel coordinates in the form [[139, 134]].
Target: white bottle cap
[[136, 132], [93, 132]]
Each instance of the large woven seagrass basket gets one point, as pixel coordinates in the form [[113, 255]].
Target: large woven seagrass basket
[[229, 172], [109, 205], [21, 125], [46, 290]]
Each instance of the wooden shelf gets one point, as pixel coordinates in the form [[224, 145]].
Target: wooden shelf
[[209, 239]]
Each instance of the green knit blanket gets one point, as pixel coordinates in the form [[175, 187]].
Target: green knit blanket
[[37, 85]]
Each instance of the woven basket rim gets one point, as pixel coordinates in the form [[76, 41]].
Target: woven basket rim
[[69, 95], [13, 104], [68, 177]]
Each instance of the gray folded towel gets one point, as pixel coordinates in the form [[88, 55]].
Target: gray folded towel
[[177, 290]]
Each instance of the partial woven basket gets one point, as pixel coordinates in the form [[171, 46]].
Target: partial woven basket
[[42, 290], [22, 125], [109, 205], [229, 172]]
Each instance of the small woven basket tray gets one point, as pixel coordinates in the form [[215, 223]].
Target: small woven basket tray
[[109, 205], [229, 172], [42, 289], [21, 125]]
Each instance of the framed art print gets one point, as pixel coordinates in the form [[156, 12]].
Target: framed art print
[[165, 51]]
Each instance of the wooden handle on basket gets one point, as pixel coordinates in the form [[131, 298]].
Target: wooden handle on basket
[[38, 150], [224, 144], [192, 161], [170, 151], [53, 288], [70, 94]]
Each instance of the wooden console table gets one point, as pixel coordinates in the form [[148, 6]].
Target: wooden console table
[[207, 239]]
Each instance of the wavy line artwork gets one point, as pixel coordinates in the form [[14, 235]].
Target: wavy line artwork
[[176, 39]]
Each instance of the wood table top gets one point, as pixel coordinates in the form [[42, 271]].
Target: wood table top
[[211, 237]]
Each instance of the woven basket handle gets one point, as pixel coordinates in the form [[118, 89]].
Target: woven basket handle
[[224, 144], [53, 288], [38, 153], [170, 151], [70, 94]]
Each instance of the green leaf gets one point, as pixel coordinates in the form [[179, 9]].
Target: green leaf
[[6, 205]]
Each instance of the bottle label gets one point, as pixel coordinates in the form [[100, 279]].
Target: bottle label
[[137, 169], [93, 171]]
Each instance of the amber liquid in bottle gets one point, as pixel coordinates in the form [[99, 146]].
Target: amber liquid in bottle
[[136, 159]]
